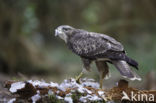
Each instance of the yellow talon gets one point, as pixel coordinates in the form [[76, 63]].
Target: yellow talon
[[78, 77]]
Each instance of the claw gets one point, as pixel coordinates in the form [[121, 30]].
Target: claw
[[78, 77]]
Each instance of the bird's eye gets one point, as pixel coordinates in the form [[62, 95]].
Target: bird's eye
[[65, 29]]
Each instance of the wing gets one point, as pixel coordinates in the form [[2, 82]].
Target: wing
[[90, 44]]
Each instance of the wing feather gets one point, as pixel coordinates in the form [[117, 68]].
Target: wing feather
[[90, 44]]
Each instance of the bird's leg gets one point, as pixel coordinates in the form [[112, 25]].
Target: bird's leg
[[78, 77], [86, 67], [103, 70], [102, 76]]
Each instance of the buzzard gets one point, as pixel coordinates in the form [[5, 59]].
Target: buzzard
[[99, 48]]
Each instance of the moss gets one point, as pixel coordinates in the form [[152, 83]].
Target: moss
[[76, 96], [53, 99]]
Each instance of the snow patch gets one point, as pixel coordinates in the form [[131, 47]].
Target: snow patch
[[16, 86], [81, 89], [12, 100], [58, 97], [68, 99], [42, 83], [91, 84], [101, 93], [38, 83], [90, 98], [53, 84], [71, 83], [35, 98], [50, 92]]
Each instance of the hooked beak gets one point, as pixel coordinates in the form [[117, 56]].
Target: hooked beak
[[58, 31]]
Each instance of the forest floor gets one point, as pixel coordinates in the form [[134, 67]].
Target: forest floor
[[14, 88], [68, 91]]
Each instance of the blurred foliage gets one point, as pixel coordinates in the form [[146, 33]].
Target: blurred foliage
[[28, 45]]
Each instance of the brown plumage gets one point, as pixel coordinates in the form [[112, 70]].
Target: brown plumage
[[102, 49]]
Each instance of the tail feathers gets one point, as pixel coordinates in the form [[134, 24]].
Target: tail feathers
[[113, 55], [125, 70], [131, 62]]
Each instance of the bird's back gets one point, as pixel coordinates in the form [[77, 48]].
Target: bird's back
[[90, 44]]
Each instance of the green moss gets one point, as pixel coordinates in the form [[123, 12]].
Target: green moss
[[101, 101], [76, 96], [53, 99]]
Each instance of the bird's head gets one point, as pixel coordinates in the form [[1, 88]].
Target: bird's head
[[64, 31]]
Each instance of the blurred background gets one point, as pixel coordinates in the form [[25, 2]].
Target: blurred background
[[29, 49]]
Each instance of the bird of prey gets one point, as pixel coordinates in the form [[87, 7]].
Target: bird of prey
[[99, 48]]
